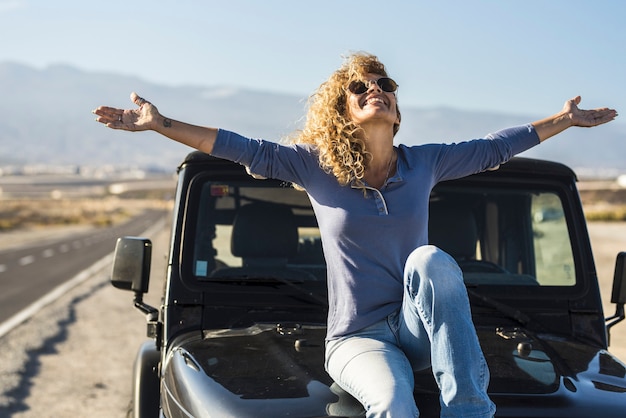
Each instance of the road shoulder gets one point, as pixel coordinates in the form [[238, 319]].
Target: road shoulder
[[74, 358]]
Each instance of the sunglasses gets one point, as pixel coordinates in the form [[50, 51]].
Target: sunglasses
[[386, 84]]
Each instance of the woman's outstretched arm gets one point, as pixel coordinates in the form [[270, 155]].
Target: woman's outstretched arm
[[570, 116], [147, 117]]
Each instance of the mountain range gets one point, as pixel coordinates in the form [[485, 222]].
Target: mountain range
[[45, 118]]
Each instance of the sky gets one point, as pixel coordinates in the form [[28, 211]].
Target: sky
[[497, 55]]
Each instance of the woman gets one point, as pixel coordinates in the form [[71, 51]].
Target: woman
[[396, 304]]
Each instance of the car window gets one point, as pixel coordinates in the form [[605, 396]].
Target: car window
[[256, 229], [551, 243], [504, 236]]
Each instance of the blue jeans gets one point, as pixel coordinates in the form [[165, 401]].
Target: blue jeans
[[432, 329]]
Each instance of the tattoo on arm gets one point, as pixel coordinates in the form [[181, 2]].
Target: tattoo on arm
[[167, 122]]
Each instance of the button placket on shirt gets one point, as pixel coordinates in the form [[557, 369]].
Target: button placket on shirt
[[379, 199], [381, 204]]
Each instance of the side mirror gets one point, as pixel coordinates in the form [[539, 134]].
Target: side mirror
[[618, 295], [131, 265], [619, 280]]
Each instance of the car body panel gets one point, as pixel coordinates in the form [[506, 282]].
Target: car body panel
[[242, 338]]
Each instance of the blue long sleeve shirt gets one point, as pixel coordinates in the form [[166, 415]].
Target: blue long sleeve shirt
[[367, 239]]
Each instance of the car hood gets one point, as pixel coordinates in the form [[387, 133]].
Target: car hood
[[261, 371], [523, 362], [558, 376], [278, 371]]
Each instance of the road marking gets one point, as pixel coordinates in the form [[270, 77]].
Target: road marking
[[3, 268], [59, 291], [26, 260], [97, 268], [47, 253]]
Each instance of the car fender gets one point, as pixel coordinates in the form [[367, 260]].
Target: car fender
[[146, 382]]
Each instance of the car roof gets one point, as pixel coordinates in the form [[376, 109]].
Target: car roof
[[515, 166]]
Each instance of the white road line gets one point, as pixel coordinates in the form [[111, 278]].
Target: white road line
[[26, 260], [60, 290], [47, 253], [3, 268]]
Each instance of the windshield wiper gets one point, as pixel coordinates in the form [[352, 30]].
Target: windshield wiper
[[268, 278], [508, 311]]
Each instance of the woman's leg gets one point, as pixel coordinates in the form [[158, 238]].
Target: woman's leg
[[436, 304], [371, 367]]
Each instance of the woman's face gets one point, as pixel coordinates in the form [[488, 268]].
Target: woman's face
[[373, 105]]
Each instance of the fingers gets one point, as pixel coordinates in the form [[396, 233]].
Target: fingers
[[113, 117], [596, 117], [115, 123], [588, 117], [107, 111], [599, 113], [108, 115], [604, 115], [135, 98]]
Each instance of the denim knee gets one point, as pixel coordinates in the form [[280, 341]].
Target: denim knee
[[429, 262]]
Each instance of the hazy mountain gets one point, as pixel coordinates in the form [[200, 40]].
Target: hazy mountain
[[45, 117]]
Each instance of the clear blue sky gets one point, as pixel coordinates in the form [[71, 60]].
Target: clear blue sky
[[512, 56]]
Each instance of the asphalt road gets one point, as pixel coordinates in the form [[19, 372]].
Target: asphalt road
[[29, 273]]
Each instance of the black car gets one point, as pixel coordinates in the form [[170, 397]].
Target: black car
[[240, 331]]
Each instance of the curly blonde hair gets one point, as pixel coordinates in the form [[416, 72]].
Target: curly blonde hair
[[328, 127]]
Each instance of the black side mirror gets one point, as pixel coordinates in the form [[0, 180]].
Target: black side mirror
[[619, 280], [131, 271], [618, 295], [131, 265]]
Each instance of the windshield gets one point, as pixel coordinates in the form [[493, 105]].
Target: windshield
[[499, 235], [256, 229]]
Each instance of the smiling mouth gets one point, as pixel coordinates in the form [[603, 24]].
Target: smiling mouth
[[375, 100]]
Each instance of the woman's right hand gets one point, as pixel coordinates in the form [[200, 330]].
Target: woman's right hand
[[144, 118], [147, 117]]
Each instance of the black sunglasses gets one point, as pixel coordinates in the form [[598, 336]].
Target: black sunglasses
[[386, 84]]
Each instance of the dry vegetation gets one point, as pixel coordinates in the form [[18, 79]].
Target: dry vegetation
[[16, 214], [606, 213], [28, 213], [604, 205], [98, 212]]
